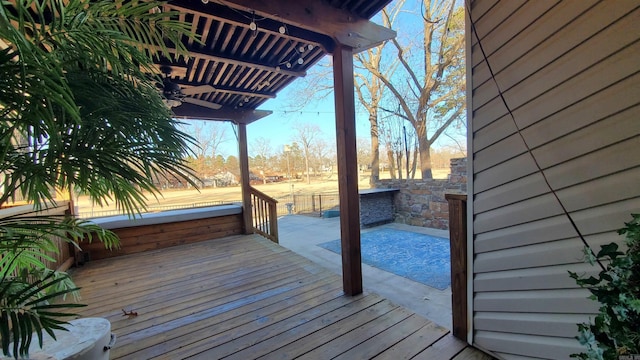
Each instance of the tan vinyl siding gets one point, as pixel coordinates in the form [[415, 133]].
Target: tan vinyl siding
[[570, 73]]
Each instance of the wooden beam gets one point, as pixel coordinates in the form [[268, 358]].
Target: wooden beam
[[347, 170], [458, 239], [316, 15], [249, 64], [228, 15], [243, 153], [190, 111], [228, 60], [235, 91]]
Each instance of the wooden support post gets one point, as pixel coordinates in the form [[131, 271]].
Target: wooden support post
[[458, 239], [347, 170], [247, 220]]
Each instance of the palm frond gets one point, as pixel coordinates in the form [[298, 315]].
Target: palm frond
[[25, 309], [78, 110], [105, 47]]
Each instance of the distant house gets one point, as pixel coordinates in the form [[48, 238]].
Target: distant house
[[225, 179], [274, 178]]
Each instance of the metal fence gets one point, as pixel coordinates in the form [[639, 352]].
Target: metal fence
[[308, 204], [303, 204], [102, 213]]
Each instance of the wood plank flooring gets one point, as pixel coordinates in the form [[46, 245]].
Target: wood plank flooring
[[243, 297]]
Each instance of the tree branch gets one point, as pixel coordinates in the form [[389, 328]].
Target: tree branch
[[446, 124], [400, 115]]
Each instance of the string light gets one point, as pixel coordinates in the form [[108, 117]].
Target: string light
[[253, 26], [294, 58], [299, 50]]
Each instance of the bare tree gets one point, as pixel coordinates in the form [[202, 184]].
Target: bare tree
[[261, 146], [401, 145], [370, 90], [208, 137], [392, 137], [316, 86], [321, 154], [261, 151], [364, 154], [306, 134], [431, 89]]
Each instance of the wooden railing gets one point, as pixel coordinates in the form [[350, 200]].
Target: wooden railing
[[264, 214], [458, 239], [65, 255]]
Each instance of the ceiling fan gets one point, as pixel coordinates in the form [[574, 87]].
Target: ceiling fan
[[173, 95]]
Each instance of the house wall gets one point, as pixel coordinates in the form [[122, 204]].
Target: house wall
[[570, 73], [422, 202]]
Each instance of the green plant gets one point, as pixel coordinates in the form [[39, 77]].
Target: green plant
[[615, 330], [79, 111]]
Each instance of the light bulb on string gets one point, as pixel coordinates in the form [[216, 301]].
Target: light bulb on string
[[282, 29], [253, 26], [300, 61]]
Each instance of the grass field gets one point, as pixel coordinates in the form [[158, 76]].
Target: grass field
[[192, 197]]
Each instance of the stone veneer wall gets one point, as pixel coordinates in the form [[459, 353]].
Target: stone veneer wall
[[421, 202], [377, 207]]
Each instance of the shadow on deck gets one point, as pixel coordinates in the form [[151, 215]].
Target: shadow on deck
[[243, 297]]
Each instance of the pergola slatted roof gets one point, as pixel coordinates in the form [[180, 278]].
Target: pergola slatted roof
[[247, 67], [252, 49]]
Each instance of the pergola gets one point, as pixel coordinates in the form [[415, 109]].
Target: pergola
[[250, 50]]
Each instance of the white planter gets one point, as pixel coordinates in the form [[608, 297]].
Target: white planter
[[87, 339]]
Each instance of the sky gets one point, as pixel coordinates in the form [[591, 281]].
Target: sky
[[278, 127]]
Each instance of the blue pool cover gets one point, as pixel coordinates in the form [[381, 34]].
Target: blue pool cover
[[419, 257]]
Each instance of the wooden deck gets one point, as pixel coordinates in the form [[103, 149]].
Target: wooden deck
[[243, 297]]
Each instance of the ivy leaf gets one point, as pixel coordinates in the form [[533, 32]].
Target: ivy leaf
[[609, 250], [616, 328]]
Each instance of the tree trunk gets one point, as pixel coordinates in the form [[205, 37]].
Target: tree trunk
[[399, 160], [425, 158], [375, 150], [306, 162], [392, 164], [414, 161]]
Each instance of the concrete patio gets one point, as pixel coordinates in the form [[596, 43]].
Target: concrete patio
[[301, 234]]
